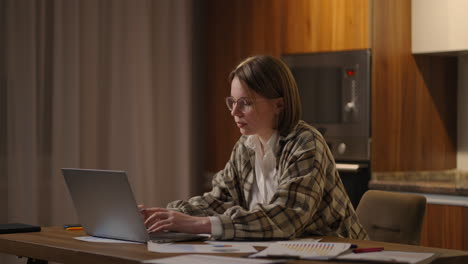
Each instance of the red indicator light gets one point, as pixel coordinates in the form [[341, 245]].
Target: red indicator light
[[350, 72]]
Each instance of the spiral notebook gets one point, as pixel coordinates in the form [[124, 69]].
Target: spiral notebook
[[304, 250]]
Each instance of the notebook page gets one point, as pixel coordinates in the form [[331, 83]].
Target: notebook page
[[209, 259], [388, 256], [304, 250]]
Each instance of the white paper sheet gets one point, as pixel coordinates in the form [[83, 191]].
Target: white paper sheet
[[388, 256], [209, 259], [258, 243], [200, 248], [103, 240], [249, 243]]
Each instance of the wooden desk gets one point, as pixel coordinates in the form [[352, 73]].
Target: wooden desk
[[57, 244]]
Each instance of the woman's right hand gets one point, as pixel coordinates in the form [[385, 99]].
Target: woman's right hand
[[163, 220]]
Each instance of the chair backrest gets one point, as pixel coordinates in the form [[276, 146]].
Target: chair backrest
[[391, 216]]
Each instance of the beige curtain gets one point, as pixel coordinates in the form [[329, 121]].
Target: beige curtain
[[102, 84]]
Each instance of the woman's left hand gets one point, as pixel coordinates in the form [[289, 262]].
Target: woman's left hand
[[161, 219]]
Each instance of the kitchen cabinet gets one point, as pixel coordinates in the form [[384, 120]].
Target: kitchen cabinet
[[319, 26], [413, 98], [439, 26], [445, 227]]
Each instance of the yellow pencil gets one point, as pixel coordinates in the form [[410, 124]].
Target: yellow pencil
[[74, 228]]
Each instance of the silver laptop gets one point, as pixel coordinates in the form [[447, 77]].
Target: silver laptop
[[107, 208]]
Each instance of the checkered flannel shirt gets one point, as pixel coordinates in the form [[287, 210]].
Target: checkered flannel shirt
[[310, 199]]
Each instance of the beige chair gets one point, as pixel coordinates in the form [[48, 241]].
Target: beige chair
[[391, 216]]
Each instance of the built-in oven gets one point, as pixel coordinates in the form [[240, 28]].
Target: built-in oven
[[335, 92]]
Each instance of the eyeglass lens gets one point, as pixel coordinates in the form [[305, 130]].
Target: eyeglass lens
[[242, 104]]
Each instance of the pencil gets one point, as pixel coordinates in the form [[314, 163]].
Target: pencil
[[74, 228]]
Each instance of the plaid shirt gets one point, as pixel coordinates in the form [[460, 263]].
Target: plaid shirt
[[310, 198]]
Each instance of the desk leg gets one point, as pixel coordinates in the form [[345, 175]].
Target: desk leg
[[36, 261]]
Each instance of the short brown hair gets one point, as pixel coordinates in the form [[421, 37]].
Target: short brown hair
[[271, 78]]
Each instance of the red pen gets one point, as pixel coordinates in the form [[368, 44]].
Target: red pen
[[365, 250]]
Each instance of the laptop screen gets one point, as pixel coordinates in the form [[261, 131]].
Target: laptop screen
[[105, 204]]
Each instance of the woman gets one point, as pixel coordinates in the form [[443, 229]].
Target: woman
[[280, 181]]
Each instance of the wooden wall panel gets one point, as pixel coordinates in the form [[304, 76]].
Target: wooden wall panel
[[332, 25], [235, 30], [445, 227], [413, 98]]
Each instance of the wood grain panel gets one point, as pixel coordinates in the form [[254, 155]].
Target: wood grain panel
[[444, 227], [3, 117], [317, 25], [235, 30], [465, 228], [413, 98]]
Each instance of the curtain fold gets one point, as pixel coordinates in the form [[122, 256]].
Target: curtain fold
[[101, 84]]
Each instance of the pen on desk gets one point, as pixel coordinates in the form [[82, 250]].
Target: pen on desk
[[365, 250], [74, 228]]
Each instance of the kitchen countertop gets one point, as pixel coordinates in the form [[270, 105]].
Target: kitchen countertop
[[446, 182]]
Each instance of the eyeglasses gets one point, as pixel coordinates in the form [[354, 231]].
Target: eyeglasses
[[243, 104]]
